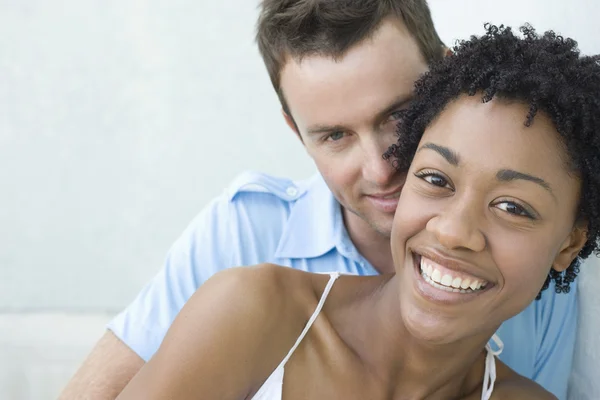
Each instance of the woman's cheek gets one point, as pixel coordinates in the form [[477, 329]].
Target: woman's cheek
[[523, 273]]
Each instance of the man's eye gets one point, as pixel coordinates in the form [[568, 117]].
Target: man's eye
[[335, 136], [396, 115]]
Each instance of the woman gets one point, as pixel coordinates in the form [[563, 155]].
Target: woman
[[501, 196]]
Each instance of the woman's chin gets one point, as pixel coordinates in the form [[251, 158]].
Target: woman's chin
[[429, 328]]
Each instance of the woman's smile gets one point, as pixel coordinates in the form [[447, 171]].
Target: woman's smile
[[442, 282]]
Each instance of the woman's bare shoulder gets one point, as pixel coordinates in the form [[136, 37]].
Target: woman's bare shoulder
[[511, 385], [266, 281], [229, 336], [263, 293], [293, 287]]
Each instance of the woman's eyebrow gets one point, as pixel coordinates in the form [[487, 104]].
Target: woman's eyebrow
[[450, 155], [507, 175]]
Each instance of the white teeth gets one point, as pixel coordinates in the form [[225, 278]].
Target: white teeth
[[436, 276], [437, 285], [447, 282]]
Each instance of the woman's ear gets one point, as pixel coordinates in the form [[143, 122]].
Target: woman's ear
[[570, 248]]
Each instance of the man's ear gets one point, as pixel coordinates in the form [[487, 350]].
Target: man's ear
[[291, 123], [571, 248], [446, 51]]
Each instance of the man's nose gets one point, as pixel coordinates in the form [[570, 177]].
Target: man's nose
[[376, 169]]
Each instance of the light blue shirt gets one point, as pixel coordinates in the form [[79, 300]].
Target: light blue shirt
[[260, 218]]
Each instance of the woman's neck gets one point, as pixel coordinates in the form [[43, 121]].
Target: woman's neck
[[373, 327]]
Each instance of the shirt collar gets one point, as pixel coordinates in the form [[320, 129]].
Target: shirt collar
[[315, 225]]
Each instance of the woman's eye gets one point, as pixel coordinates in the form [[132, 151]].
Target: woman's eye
[[514, 209], [434, 179], [335, 136]]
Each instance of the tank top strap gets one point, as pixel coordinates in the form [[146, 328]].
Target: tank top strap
[[489, 376], [332, 278]]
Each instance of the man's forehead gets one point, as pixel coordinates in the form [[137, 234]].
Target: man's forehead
[[333, 97]]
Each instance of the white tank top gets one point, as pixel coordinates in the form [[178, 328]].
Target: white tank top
[[272, 389]]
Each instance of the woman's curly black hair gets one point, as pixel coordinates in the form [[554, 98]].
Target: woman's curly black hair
[[546, 72]]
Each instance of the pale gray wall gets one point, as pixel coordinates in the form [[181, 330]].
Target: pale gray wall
[[119, 120]]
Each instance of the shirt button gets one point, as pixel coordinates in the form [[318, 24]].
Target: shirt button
[[291, 191]]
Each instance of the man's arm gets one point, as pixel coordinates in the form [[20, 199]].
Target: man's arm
[[105, 372]]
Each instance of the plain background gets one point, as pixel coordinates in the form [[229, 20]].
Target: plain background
[[119, 120]]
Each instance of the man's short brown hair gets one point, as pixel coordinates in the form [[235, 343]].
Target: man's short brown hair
[[299, 28]]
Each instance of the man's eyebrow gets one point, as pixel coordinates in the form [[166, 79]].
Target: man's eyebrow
[[507, 175], [315, 129], [397, 103], [449, 154]]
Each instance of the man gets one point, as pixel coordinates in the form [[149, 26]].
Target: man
[[343, 70]]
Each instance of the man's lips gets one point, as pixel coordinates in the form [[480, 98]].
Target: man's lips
[[385, 202], [387, 195]]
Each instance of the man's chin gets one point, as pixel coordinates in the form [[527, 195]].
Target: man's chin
[[382, 224], [379, 222], [383, 229]]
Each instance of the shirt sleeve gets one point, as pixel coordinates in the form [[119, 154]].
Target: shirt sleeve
[[144, 323], [557, 329]]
